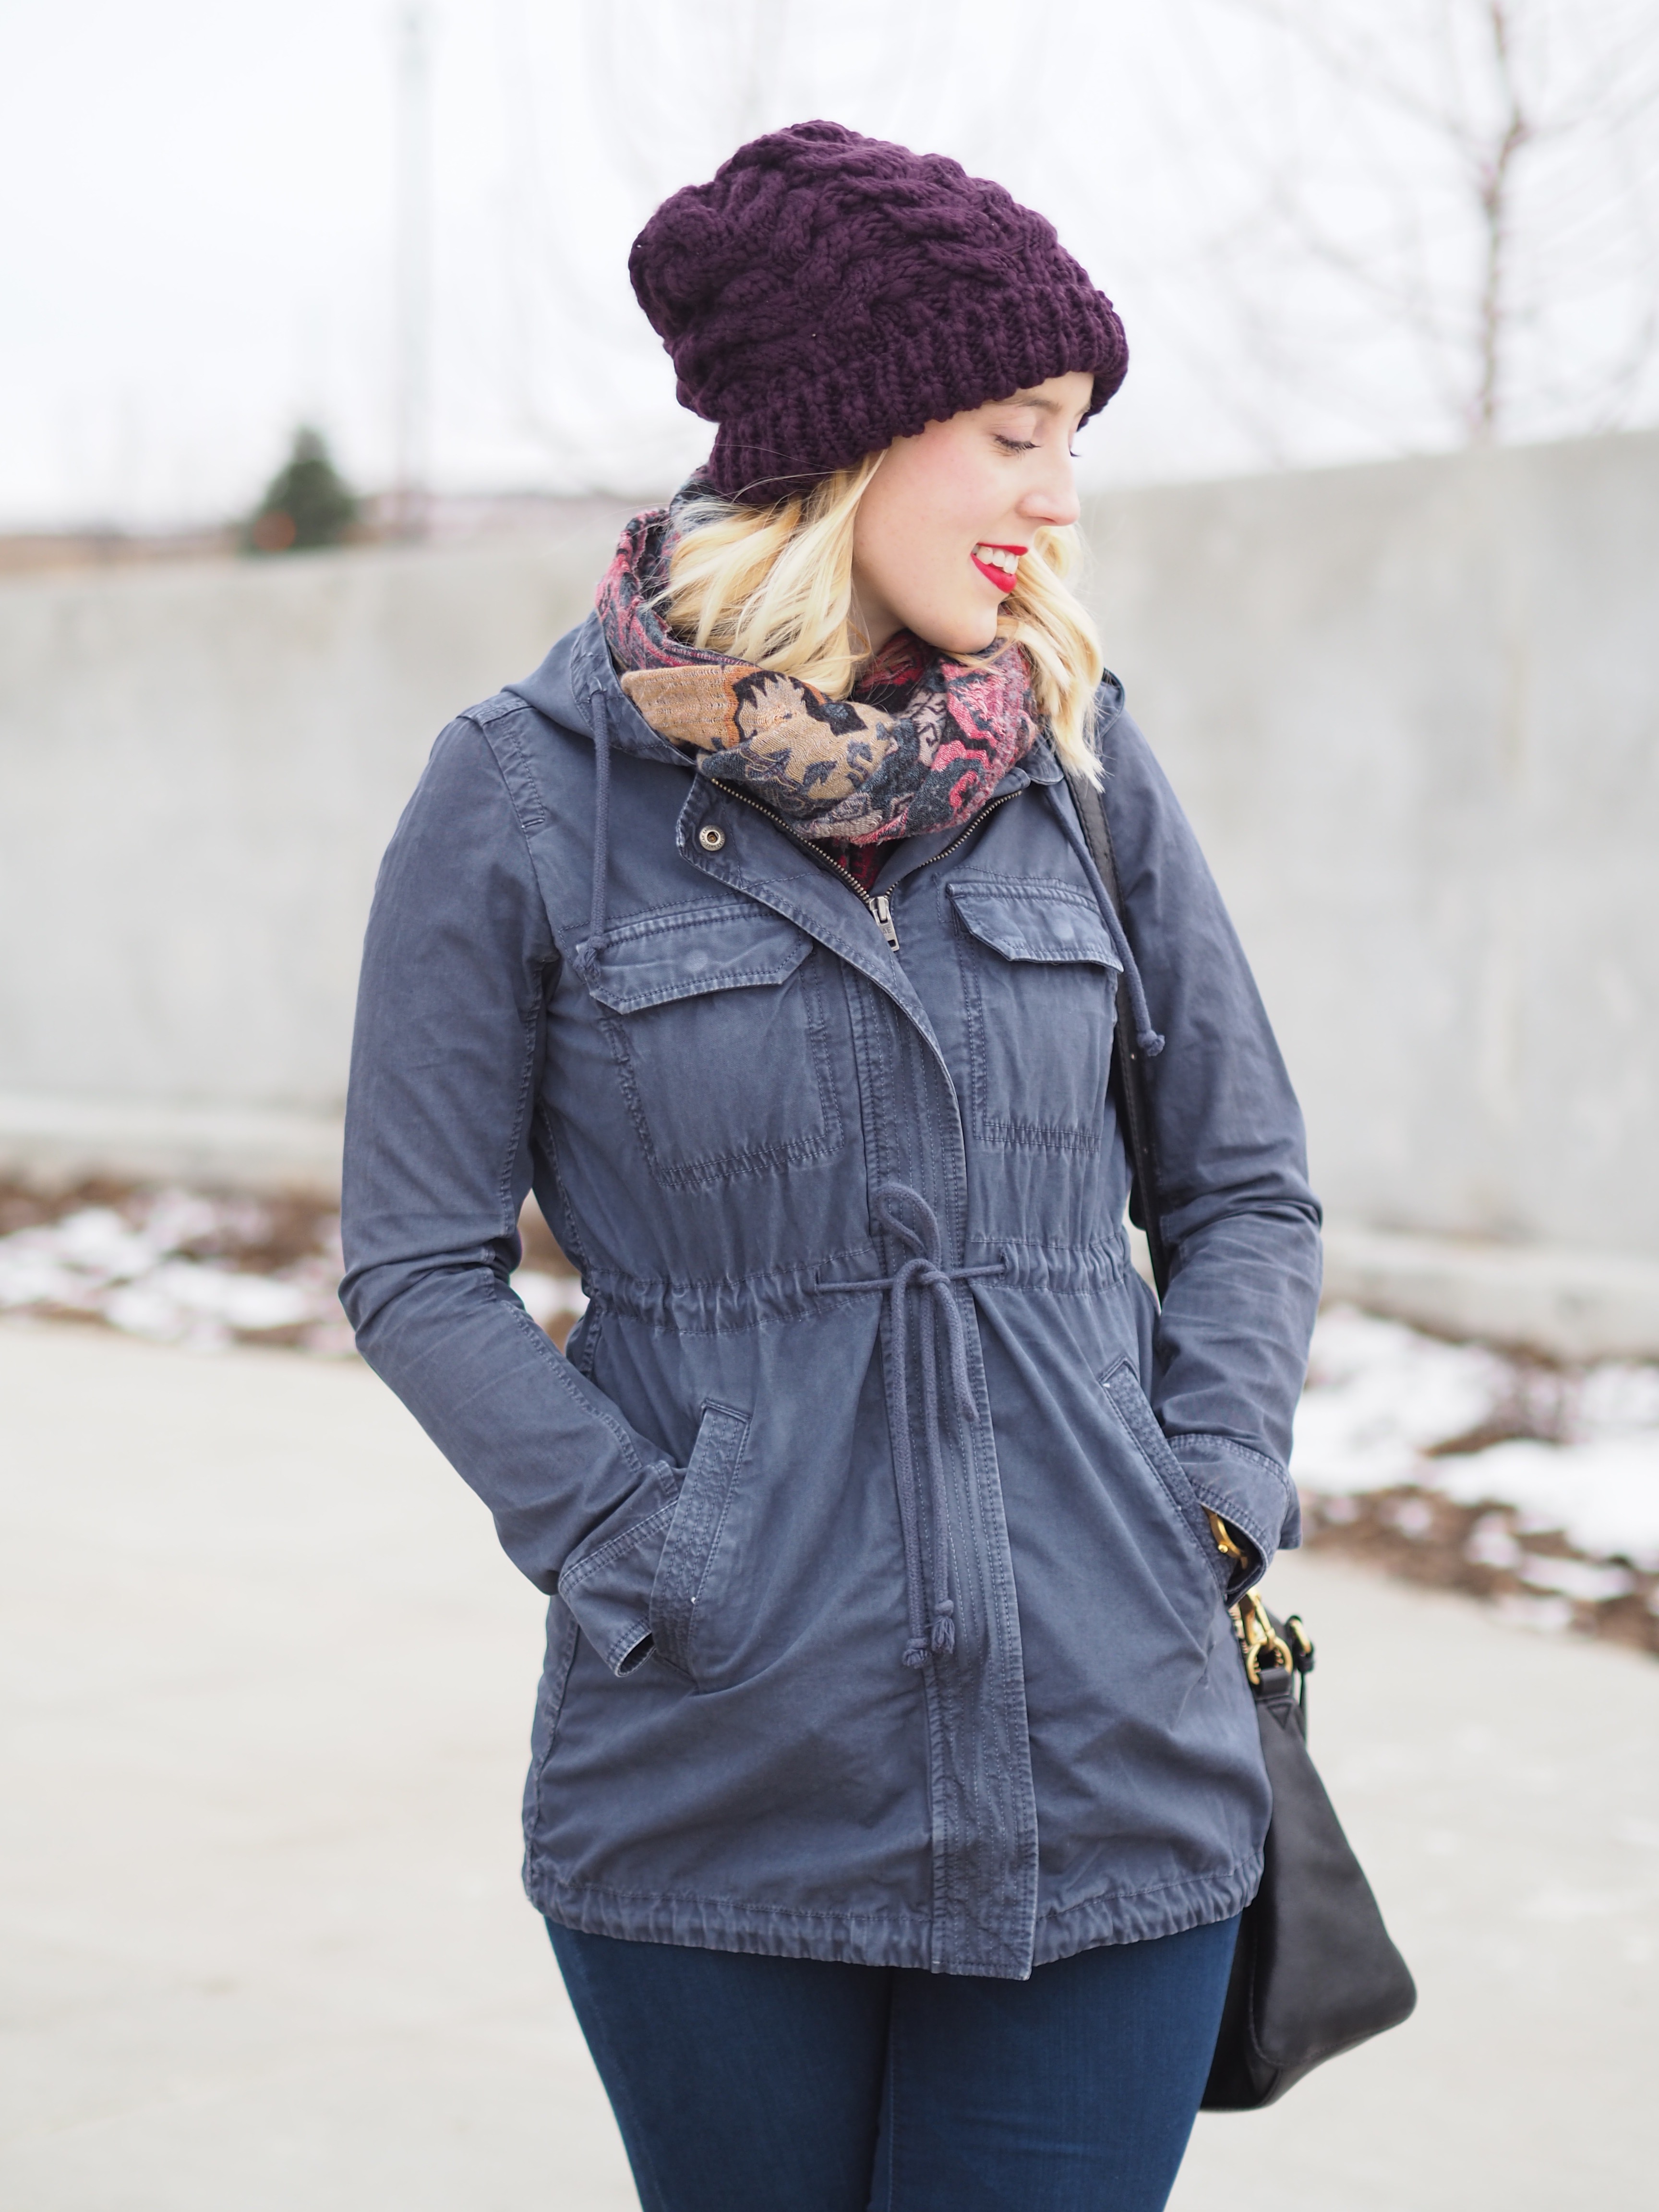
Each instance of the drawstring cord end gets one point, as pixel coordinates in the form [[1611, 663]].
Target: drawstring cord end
[[587, 959], [944, 1638]]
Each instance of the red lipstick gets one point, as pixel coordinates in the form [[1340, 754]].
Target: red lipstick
[[1000, 577]]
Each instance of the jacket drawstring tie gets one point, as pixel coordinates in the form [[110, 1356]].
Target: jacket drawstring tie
[[588, 959], [932, 1629]]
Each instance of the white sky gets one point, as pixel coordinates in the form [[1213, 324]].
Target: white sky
[[197, 248]]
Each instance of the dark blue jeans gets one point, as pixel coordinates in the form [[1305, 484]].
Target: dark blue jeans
[[789, 2085]]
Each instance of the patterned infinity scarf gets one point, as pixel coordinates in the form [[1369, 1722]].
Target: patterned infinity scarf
[[921, 745]]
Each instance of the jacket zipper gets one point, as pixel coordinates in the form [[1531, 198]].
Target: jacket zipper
[[972, 830], [876, 902]]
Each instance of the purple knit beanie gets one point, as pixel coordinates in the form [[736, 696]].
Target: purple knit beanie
[[825, 293]]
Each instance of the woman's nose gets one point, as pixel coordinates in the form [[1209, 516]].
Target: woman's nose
[[1052, 499]]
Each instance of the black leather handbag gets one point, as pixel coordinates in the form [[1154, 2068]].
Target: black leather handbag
[[1315, 1972]]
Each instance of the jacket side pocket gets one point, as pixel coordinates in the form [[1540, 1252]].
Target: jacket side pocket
[[694, 1534], [1123, 1386]]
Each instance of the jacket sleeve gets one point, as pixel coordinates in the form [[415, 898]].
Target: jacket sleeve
[[1240, 1222], [457, 962]]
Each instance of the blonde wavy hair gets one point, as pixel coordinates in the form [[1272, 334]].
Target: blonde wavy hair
[[773, 586]]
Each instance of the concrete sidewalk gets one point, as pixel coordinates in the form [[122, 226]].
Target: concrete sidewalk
[[265, 1686]]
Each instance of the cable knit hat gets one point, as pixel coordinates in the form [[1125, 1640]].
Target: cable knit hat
[[825, 293]]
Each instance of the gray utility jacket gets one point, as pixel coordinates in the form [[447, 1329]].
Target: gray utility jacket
[[886, 1625]]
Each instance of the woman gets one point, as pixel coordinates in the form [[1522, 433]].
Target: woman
[[896, 1785]]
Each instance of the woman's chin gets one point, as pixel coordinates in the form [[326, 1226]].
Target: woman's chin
[[960, 635]]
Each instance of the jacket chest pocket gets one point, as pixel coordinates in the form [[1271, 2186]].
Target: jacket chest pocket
[[718, 1021], [1039, 977]]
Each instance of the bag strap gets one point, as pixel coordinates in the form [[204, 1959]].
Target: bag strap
[[1129, 1070]]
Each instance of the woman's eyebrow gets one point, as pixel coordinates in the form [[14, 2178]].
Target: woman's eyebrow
[[1033, 400]]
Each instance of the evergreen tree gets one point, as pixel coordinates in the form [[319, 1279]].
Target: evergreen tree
[[306, 503]]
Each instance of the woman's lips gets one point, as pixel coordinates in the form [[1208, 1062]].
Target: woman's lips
[[999, 572]]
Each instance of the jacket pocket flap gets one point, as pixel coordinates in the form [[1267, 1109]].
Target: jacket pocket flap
[[1031, 920], [689, 950]]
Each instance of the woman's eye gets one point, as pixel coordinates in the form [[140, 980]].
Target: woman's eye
[[1015, 444]]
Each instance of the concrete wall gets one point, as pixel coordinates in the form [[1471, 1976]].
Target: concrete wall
[[199, 768], [1413, 709]]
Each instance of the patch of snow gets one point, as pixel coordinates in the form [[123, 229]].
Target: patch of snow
[[136, 1270], [1618, 1400], [1383, 1401], [1379, 1396], [1492, 1543], [1603, 1496], [1585, 1581], [174, 1299]]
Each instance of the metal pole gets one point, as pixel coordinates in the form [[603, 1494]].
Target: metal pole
[[412, 399]]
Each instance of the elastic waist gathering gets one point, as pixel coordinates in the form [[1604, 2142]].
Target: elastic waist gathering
[[728, 1306]]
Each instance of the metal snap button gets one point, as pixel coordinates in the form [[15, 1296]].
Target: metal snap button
[[710, 837]]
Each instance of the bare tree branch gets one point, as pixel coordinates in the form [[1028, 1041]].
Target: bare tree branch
[[1430, 208]]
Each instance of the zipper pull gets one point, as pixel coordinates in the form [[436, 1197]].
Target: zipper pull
[[879, 906]]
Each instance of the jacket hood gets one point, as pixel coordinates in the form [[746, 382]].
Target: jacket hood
[[577, 686]]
